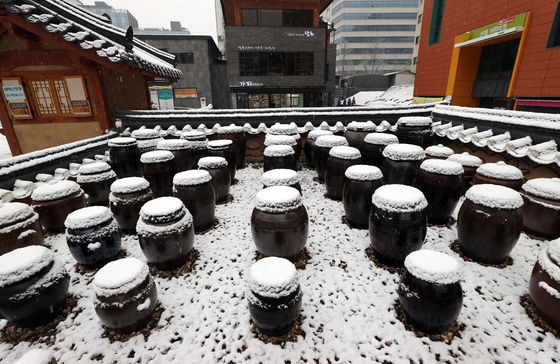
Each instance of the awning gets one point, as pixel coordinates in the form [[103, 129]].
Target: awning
[[489, 37]]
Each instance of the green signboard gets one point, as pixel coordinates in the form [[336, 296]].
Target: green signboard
[[498, 27], [165, 95]]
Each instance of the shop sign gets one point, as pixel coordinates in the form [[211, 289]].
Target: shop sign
[[165, 95], [256, 48], [498, 27], [250, 84], [14, 92], [307, 33], [426, 100]]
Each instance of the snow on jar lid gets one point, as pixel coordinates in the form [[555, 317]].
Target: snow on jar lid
[[212, 162], [143, 134], [23, 263], [193, 177], [272, 139], [55, 191], [314, 134], [381, 139], [273, 277], [445, 167], [494, 196], [404, 152], [94, 168], [157, 156], [552, 251], [415, 121], [231, 129], [193, 135], [220, 144], [122, 142], [361, 126], [399, 198], [363, 172], [499, 170], [278, 199], [14, 212], [344, 152], [280, 177], [283, 129], [130, 185], [278, 151], [36, 356], [439, 151], [120, 276], [433, 267], [173, 144], [548, 188], [466, 159], [329, 141], [87, 217], [162, 210]]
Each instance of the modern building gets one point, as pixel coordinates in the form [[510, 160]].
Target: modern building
[[373, 37], [500, 54], [121, 18], [417, 36]]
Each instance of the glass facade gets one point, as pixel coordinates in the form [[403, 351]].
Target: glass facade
[[276, 18], [276, 63]]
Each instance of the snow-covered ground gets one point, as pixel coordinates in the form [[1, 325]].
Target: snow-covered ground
[[348, 308], [4, 148]]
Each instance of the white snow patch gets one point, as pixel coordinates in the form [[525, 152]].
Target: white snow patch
[[55, 191], [271, 139], [314, 134], [439, 151], [404, 152], [344, 152], [329, 141], [278, 199], [381, 138], [273, 277], [129, 185], [280, 177], [23, 263], [432, 266], [444, 167], [157, 156], [192, 178], [120, 276], [494, 196], [500, 170], [212, 162], [543, 187], [88, 217], [466, 159], [363, 172], [278, 150], [399, 198]]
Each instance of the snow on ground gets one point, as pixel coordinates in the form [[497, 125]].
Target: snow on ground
[[395, 95], [5, 151], [348, 302]]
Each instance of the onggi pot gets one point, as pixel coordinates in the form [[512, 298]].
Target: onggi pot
[[415, 130], [544, 284], [401, 163], [470, 163], [124, 156], [374, 145], [281, 177], [127, 197], [159, 170], [499, 174], [279, 157], [541, 207], [324, 145], [221, 178], [340, 158], [356, 132], [361, 182], [309, 147], [438, 152], [96, 179], [181, 150], [19, 227], [196, 191]]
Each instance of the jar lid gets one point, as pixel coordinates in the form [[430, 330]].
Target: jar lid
[[156, 156], [278, 151], [220, 144], [272, 139], [466, 159], [363, 172], [548, 188], [23, 263], [415, 121], [130, 185], [14, 212], [162, 210], [122, 142], [43, 177], [94, 168], [445, 167], [273, 277], [361, 126], [92, 178], [36, 356], [87, 217], [280, 177], [381, 139], [231, 129], [404, 152], [433, 267], [143, 134], [198, 144], [62, 172], [120, 276], [193, 177], [553, 252], [314, 134], [500, 170], [173, 144], [278, 199], [193, 135], [329, 141], [212, 162], [439, 151], [495, 196], [55, 191], [283, 129], [344, 152], [399, 198]]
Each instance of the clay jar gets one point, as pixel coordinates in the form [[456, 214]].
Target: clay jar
[[53, 202], [196, 191], [181, 150], [273, 295], [33, 284], [544, 284], [124, 156], [127, 197], [287, 130], [360, 183], [470, 163], [93, 236], [199, 146], [438, 152], [324, 145], [416, 130], [356, 132], [126, 295], [147, 139], [281, 177], [159, 171], [541, 207], [440, 182], [309, 147], [340, 158], [271, 140], [19, 227], [489, 223], [397, 223], [96, 179], [430, 290], [279, 157], [223, 148], [237, 136], [374, 144], [401, 163], [279, 222], [221, 178], [499, 174], [165, 232]]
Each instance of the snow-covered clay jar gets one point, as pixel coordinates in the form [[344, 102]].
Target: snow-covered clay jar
[[279, 157], [96, 179], [541, 207], [324, 145], [54, 201], [147, 139], [126, 294], [374, 145], [310, 146], [470, 164], [281, 177], [237, 136], [196, 191], [340, 158], [221, 178], [279, 222], [359, 185], [440, 182], [159, 171], [397, 224], [489, 222], [37, 356], [181, 150], [124, 156], [286, 130], [274, 295], [356, 132], [544, 284], [401, 163], [199, 146], [165, 232], [430, 290], [32, 285], [438, 152], [92, 235], [127, 197], [415, 130], [19, 227], [499, 174], [224, 148]]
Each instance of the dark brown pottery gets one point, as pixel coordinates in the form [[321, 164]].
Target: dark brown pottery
[[159, 171], [147, 139], [281, 177], [96, 179], [53, 203], [415, 130], [356, 132], [181, 150], [20, 227], [124, 156], [470, 164], [340, 158], [272, 140], [360, 183], [401, 164], [221, 178], [438, 152], [127, 197], [287, 130], [196, 191], [224, 148], [309, 147], [324, 145], [499, 174], [237, 136], [279, 157], [541, 207], [544, 284], [374, 144]]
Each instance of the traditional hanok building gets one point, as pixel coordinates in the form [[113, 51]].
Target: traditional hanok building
[[63, 70]]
